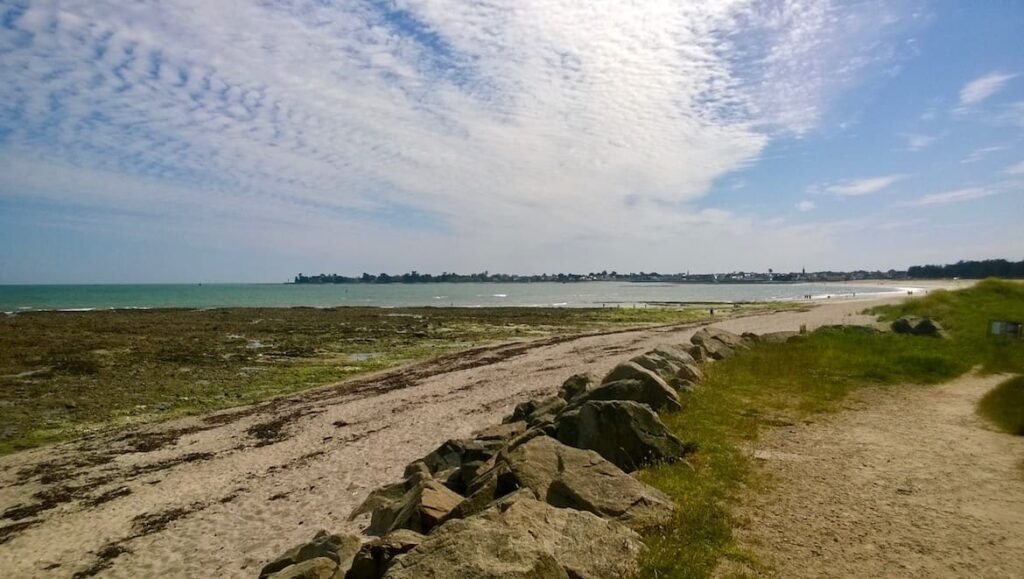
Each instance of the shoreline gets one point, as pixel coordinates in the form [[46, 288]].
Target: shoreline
[[898, 287]]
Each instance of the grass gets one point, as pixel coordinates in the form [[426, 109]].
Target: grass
[[774, 384], [66, 373], [1004, 406]]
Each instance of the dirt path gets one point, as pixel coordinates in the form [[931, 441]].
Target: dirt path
[[906, 483], [221, 495]]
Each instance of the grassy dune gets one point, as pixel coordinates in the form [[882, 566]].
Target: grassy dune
[[779, 383], [1004, 406], [65, 373]]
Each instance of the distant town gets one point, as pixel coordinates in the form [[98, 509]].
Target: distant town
[[965, 269]]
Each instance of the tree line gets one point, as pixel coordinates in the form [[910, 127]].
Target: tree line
[[970, 269]]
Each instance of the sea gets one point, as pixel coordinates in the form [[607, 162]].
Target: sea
[[18, 298]]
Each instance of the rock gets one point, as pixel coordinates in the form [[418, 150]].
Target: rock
[[525, 538], [568, 477], [501, 432], [699, 354], [318, 568], [338, 549], [715, 343], [654, 393], [575, 386], [917, 326], [376, 556], [628, 434], [421, 509], [379, 498], [651, 381], [718, 335], [487, 497], [778, 337], [537, 412]]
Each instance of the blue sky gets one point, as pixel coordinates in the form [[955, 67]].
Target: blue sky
[[188, 140]]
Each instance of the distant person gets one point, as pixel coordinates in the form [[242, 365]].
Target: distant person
[[712, 312]]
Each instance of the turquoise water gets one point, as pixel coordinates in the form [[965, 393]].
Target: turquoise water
[[587, 294]]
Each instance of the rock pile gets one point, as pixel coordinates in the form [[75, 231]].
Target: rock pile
[[918, 327], [547, 493]]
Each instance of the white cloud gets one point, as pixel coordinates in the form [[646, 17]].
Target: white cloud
[[983, 87], [919, 142], [957, 196], [866, 186], [806, 205], [471, 119], [1016, 169], [979, 154]]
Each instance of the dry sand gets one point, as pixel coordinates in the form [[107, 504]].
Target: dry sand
[[907, 482], [220, 495]]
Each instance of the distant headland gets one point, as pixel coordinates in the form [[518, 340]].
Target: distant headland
[[964, 269]]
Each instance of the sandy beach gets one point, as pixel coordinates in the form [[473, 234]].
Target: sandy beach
[[224, 493]]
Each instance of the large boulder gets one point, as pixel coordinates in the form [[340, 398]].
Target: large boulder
[[673, 365], [628, 434], [581, 479], [654, 393], [381, 498], [318, 568], [716, 343], [524, 539], [633, 371], [338, 549], [575, 386], [778, 337], [917, 326], [537, 412], [376, 556], [420, 509]]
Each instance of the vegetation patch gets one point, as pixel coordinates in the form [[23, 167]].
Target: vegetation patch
[[1004, 406], [63, 374], [776, 384]]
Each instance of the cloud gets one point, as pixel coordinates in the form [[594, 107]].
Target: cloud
[[919, 142], [302, 119], [1016, 169], [983, 87], [957, 196], [866, 186], [979, 154], [806, 205]]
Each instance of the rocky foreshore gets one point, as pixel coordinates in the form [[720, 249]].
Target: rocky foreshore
[[547, 493]]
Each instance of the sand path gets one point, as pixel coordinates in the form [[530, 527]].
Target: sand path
[[908, 482], [220, 495]]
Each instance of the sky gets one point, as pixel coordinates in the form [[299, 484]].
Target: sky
[[250, 140]]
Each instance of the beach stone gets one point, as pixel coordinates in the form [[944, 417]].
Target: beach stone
[[575, 386], [378, 498], [579, 479], [318, 568], [338, 549], [376, 556], [628, 434], [633, 371], [501, 432], [917, 326], [717, 344], [525, 538], [699, 354], [654, 393], [537, 412], [421, 509], [778, 337]]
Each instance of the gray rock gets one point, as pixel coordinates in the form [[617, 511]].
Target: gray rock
[[575, 386], [654, 393], [626, 433], [525, 538], [339, 549], [376, 556], [717, 344], [537, 412], [421, 509], [379, 498], [318, 568], [917, 326], [778, 337], [568, 477], [501, 432], [633, 371]]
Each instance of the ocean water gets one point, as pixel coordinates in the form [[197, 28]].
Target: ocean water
[[15, 298]]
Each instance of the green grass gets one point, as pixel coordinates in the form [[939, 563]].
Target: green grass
[[967, 314], [1004, 406], [63, 374], [780, 383]]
